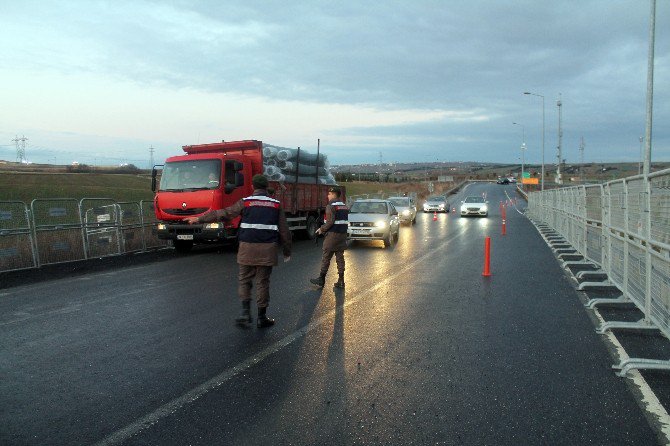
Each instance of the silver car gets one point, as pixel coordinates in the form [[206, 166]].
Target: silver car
[[474, 205], [374, 220], [436, 203], [406, 208]]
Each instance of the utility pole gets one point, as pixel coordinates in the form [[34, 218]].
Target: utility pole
[[581, 155], [650, 89], [379, 178], [151, 159], [559, 154], [20, 148]]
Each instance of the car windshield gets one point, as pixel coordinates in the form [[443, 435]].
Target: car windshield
[[367, 207], [191, 175], [435, 198], [474, 200], [402, 202]]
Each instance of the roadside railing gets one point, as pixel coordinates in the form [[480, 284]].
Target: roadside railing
[[51, 231], [623, 228]]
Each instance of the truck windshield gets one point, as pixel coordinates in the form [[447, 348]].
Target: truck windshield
[[191, 175]]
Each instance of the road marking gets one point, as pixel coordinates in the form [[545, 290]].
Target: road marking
[[171, 407]]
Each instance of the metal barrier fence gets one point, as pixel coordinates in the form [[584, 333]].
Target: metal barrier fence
[[622, 227], [61, 230]]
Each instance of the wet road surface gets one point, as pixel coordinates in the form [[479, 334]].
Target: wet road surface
[[418, 349]]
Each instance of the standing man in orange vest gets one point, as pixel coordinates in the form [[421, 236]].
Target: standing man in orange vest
[[262, 230], [335, 228]]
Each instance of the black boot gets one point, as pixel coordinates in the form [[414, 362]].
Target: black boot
[[319, 281], [340, 282], [245, 315], [263, 320]]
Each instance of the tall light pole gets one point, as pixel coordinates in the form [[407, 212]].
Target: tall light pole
[[523, 148], [650, 89], [539, 95], [639, 164], [559, 153]]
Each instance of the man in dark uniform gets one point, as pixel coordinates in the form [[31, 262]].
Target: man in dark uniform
[[262, 229], [335, 228]]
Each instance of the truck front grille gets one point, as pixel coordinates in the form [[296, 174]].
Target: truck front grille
[[188, 211]]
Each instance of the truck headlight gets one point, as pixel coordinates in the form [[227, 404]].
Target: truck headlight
[[161, 226], [380, 224], [212, 225]]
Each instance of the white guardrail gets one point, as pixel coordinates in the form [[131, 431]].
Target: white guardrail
[[623, 228]]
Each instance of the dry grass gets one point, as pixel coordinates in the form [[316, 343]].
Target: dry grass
[[28, 186]]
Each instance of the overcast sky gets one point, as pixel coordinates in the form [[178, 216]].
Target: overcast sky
[[102, 81]]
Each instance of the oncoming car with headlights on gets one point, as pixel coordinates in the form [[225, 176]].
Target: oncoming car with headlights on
[[406, 208], [374, 220], [436, 203], [475, 206]]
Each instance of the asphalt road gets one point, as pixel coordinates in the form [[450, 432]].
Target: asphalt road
[[419, 349]]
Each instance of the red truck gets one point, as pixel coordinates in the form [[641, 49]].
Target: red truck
[[215, 176]]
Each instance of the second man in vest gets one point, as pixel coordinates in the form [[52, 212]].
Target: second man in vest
[[335, 230]]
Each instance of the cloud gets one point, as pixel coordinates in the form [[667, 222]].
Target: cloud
[[366, 74]]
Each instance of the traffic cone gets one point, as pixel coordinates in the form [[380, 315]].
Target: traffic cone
[[435, 216], [487, 257]]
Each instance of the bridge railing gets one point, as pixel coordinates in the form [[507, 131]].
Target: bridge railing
[[65, 230], [623, 228]]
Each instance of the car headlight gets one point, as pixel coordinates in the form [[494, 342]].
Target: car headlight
[[212, 225], [442, 206], [161, 226], [380, 224], [463, 208], [405, 212], [484, 208]]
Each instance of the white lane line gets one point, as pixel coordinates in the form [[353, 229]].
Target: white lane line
[[513, 204], [176, 404]]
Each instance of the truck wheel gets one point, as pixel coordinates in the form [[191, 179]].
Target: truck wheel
[[183, 246], [310, 231]]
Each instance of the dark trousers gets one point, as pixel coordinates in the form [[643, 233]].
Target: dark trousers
[[325, 261], [246, 279]]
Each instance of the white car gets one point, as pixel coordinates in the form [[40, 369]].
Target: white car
[[474, 205], [374, 220], [406, 208]]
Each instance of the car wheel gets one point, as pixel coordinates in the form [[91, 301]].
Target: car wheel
[[388, 240], [397, 236]]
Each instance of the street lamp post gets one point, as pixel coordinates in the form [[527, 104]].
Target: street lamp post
[[523, 148], [539, 95], [646, 168]]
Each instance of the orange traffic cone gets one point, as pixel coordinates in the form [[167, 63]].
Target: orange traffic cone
[[435, 216]]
